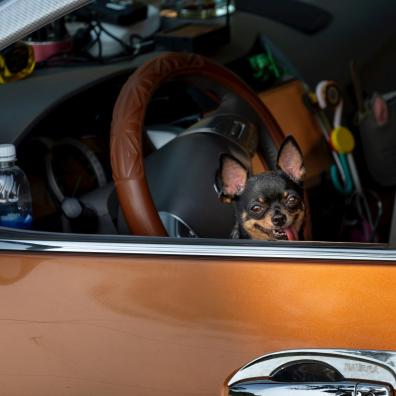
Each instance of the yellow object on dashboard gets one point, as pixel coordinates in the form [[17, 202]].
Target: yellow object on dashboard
[[342, 140], [16, 62]]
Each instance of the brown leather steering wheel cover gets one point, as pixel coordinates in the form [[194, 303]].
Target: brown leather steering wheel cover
[[127, 126]]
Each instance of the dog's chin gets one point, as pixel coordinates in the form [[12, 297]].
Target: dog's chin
[[278, 234]]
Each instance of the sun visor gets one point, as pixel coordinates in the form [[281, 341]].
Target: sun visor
[[18, 18]]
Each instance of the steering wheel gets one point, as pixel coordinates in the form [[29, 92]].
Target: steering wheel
[[128, 120]]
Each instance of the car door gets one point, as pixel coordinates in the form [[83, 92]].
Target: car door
[[118, 316]]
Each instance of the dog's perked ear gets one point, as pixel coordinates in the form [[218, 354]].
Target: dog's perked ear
[[231, 178], [290, 160]]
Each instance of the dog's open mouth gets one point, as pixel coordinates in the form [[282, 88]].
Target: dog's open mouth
[[284, 234], [280, 234], [287, 234]]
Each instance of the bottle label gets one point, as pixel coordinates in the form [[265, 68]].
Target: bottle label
[[16, 221]]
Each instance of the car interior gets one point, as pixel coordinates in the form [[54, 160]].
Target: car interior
[[319, 70]]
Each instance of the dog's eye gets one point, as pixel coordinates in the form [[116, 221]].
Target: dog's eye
[[256, 208], [292, 201]]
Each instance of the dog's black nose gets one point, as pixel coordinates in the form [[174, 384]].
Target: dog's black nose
[[278, 219]]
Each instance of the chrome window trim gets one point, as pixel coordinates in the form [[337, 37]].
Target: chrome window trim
[[294, 252]]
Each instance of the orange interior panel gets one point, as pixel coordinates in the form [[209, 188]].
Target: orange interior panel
[[287, 106]]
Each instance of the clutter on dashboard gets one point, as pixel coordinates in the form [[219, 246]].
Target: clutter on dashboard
[[194, 26], [50, 40], [16, 62], [104, 31], [117, 12], [15, 196], [194, 37], [108, 31], [117, 28], [196, 9]]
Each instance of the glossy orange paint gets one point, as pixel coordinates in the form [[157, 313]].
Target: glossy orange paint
[[133, 325]]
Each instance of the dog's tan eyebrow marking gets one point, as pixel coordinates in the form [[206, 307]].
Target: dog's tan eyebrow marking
[[285, 194], [260, 200], [244, 215]]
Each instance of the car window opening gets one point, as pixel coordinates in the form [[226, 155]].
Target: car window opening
[[203, 146]]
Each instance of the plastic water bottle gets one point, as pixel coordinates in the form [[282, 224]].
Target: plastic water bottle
[[15, 196]]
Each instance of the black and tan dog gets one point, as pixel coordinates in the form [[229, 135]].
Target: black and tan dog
[[270, 205]]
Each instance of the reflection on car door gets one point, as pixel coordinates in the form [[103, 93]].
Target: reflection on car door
[[149, 318]]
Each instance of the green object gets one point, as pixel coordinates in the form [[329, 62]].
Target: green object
[[346, 187], [264, 66]]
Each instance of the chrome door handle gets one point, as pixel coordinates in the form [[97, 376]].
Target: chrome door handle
[[317, 373], [268, 388]]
